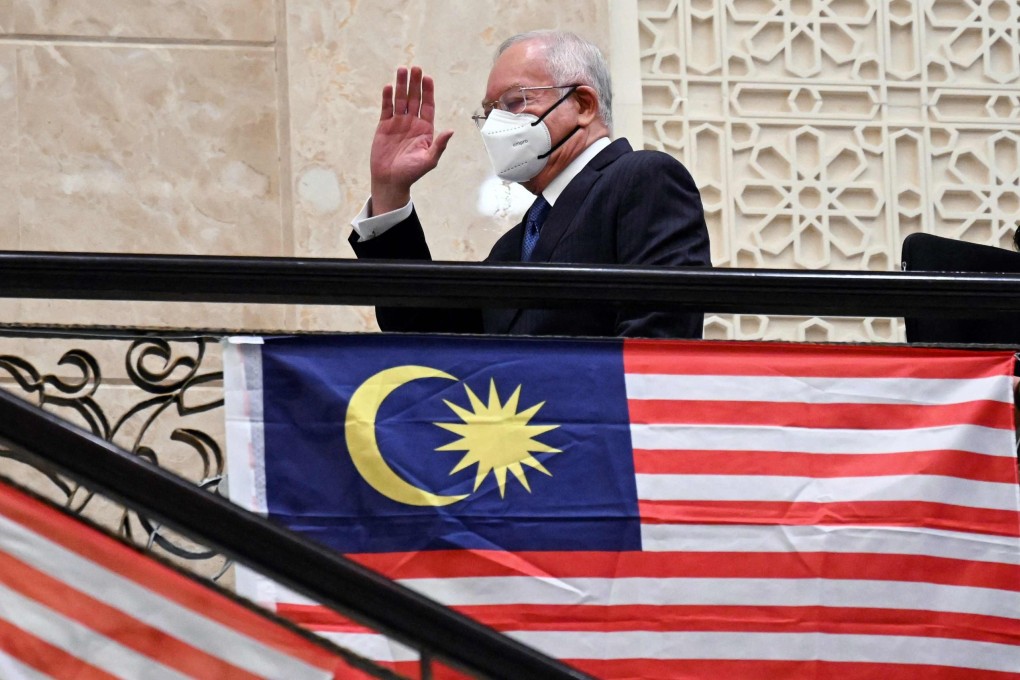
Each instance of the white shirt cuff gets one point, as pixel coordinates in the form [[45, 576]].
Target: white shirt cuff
[[369, 227]]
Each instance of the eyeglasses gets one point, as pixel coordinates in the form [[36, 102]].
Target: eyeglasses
[[514, 100]]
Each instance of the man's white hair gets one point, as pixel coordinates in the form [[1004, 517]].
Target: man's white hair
[[572, 59]]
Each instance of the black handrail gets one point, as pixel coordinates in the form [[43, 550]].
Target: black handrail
[[401, 283], [291, 560]]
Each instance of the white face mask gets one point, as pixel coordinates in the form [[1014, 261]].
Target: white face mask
[[519, 144]]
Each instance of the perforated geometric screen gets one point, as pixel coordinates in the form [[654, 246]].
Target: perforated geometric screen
[[822, 132]]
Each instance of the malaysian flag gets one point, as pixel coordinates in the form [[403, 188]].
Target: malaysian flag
[[653, 509], [76, 603]]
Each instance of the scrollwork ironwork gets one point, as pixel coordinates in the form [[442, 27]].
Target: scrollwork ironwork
[[169, 387], [77, 395]]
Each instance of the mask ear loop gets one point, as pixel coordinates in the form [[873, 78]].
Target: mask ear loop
[[573, 88], [560, 143]]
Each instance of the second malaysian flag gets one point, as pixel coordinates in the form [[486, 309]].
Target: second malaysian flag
[[78, 604]]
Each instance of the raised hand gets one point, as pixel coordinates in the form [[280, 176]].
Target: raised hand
[[405, 146]]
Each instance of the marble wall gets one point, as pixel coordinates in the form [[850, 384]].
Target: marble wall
[[223, 128]]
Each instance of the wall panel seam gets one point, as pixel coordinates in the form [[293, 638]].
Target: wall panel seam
[[200, 43]]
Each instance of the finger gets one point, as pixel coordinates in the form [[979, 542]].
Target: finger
[[400, 93], [386, 111], [414, 92], [428, 99], [439, 146]]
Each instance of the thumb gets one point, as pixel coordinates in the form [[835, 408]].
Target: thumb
[[439, 145]]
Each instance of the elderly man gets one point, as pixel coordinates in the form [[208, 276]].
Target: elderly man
[[545, 122]]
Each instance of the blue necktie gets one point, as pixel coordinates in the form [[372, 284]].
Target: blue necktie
[[536, 216]]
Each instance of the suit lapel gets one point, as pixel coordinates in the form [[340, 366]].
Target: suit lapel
[[559, 222], [564, 215]]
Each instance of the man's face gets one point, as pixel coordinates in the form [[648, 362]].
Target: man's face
[[523, 64]]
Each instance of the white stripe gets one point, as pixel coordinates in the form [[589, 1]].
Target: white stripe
[[370, 645], [976, 438], [830, 539], [147, 606], [13, 669], [915, 488], [917, 391], [746, 592], [242, 392], [245, 438], [899, 649], [79, 640]]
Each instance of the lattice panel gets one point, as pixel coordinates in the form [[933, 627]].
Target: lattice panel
[[822, 132]]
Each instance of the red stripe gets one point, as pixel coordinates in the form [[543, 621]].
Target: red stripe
[[707, 618], [994, 414], [46, 658], [671, 357], [874, 513], [735, 619], [808, 565], [113, 623], [127, 562], [961, 464], [699, 669]]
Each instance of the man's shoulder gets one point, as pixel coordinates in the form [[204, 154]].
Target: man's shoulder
[[648, 157], [647, 163], [620, 154]]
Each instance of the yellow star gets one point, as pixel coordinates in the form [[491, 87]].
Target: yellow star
[[497, 438]]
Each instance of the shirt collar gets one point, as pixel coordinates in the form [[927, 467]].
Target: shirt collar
[[560, 181]]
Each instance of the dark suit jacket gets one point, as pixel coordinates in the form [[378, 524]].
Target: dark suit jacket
[[624, 207]]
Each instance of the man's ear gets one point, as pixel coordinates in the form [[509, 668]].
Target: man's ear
[[587, 105]]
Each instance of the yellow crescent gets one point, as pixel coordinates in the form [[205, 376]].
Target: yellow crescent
[[361, 441]]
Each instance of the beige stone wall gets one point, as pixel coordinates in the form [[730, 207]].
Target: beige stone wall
[[235, 128]]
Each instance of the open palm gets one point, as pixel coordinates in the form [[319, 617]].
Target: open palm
[[405, 146]]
